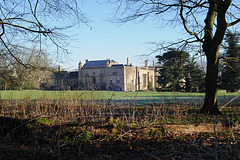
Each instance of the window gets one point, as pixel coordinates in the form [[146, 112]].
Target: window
[[132, 79], [101, 78], [86, 78], [144, 79], [111, 80], [117, 81]]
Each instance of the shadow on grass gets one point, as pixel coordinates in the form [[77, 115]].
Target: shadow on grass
[[110, 139]]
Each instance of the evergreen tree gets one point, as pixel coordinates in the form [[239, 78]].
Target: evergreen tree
[[194, 77], [172, 72], [170, 78], [230, 70], [179, 73]]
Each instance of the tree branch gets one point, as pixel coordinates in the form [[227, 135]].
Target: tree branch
[[233, 23], [185, 25]]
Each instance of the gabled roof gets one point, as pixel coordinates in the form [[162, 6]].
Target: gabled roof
[[99, 63]]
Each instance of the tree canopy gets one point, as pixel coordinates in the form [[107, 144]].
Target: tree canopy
[[179, 72]]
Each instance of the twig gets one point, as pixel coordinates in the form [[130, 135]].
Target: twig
[[120, 136], [230, 101], [152, 155]]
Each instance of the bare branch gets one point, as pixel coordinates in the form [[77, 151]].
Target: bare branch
[[28, 29], [185, 25], [233, 23], [28, 20]]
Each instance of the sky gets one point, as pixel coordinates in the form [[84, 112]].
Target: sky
[[104, 39]]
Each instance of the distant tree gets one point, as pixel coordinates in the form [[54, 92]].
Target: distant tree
[[170, 77], [174, 57], [194, 77], [38, 69], [179, 72], [6, 71], [205, 21], [230, 70]]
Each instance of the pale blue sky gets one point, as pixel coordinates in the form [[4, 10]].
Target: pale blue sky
[[114, 41]]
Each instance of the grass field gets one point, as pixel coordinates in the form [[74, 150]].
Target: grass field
[[119, 97], [97, 95]]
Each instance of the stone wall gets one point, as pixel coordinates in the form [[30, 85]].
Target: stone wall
[[145, 75], [130, 78], [115, 77], [102, 78]]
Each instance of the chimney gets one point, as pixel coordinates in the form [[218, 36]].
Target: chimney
[[108, 61], [86, 60], [80, 65], [153, 64], [59, 69], [146, 63], [127, 61]]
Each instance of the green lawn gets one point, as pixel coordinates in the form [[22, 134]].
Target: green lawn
[[97, 95]]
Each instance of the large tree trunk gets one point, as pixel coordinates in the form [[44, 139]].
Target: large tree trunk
[[210, 102], [211, 46]]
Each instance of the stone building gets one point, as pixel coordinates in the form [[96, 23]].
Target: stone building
[[109, 75], [62, 80], [71, 82], [58, 79]]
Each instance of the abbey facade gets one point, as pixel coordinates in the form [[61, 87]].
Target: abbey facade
[[109, 75]]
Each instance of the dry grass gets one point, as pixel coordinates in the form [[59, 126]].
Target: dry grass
[[78, 129]]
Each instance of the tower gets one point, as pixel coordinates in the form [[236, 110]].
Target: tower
[[108, 63]]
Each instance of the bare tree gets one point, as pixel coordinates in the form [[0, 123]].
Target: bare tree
[[205, 21], [37, 68], [6, 71], [37, 21]]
